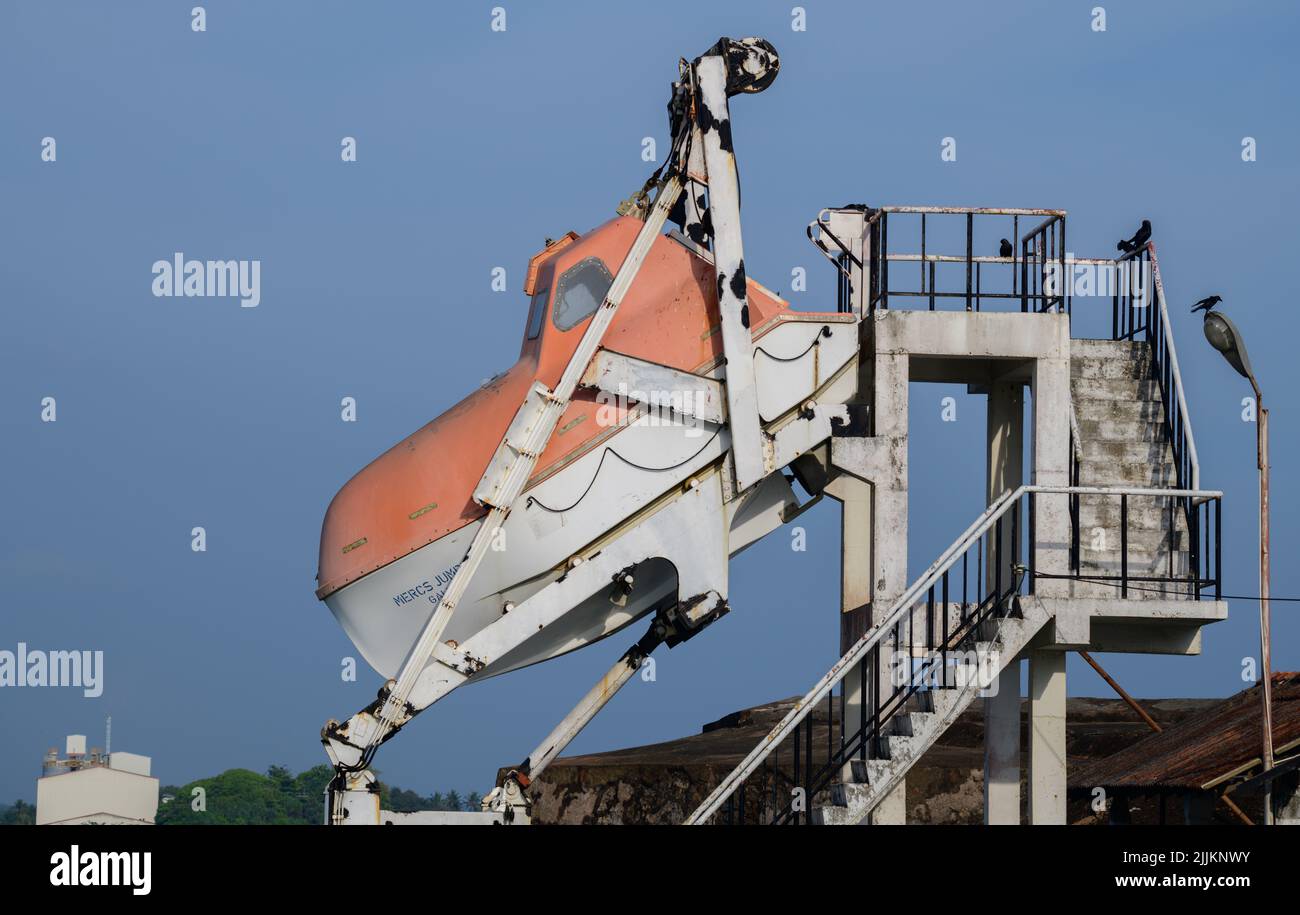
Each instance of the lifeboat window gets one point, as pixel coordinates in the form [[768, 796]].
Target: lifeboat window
[[580, 291], [538, 310]]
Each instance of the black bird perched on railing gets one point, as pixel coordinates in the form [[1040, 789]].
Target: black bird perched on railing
[[1004, 249], [1139, 239], [1207, 303]]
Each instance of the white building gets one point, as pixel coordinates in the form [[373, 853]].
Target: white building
[[95, 788]]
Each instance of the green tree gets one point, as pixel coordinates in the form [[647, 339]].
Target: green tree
[[19, 813], [240, 796]]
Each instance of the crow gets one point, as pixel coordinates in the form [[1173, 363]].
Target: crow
[[1139, 239], [1207, 303], [1005, 250]]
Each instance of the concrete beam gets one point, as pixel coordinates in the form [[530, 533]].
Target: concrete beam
[[1139, 626], [972, 334]]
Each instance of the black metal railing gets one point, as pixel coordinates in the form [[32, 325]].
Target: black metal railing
[[1139, 314], [951, 273], [1132, 296], [943, 627], [1173, 562], [1043, 281]]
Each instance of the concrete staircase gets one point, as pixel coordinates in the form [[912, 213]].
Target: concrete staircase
[[912, 731], [1124, 442]]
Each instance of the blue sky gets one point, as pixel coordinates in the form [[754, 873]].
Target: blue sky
[[474, 146]]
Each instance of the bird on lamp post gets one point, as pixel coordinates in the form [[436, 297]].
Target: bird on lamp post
[[1223, 335]]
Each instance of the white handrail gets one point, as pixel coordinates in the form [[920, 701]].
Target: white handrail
[[1184, 413], [900, 608], [1075, 433]]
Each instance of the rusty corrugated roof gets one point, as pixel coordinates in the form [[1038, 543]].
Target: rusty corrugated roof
[[1203, 750]]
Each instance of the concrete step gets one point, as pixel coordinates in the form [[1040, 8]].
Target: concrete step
[[1094, 472], [921, 721], [903, 748], [1120, 367], [1116, 389], [1140, 590], [866, 771], [1118, 430], [1084, 348], [942, 701], [1131, 450], [838, 816], [1142, 542], [1149, 565], [1088, 408], [846, 794], [1144, 514]]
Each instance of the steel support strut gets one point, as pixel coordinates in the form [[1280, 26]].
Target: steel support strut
[[511, 796]]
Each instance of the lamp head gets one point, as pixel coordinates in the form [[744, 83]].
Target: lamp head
[[1223, 335]]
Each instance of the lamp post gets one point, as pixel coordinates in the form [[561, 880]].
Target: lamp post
[[1223, 335]]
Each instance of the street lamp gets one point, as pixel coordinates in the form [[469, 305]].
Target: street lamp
[[1224, 336]]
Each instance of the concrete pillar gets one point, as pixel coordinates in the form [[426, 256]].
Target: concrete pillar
[[1051, 467], [1005, 461], [879, 523], [1047, 686], [1005, 436], [892, 375], [1047, 737], [1002, 750], [854, 495]]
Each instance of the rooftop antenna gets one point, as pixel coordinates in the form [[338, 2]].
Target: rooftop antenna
[[108, 736]]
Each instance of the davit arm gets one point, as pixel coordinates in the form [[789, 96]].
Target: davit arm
[[702, 137]]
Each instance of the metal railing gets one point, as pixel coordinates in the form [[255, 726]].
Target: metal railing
[[1157, 567], [1028, 283], [1142, 314], [995, 560]]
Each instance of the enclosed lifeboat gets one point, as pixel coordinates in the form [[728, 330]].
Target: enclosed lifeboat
[[394, 535]]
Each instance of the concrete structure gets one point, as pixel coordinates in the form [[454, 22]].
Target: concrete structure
[[1103, 542], [96, 788]]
